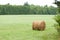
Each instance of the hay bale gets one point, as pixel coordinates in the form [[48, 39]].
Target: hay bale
[[38, 25]]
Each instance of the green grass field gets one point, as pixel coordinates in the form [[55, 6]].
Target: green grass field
[[19, 27]]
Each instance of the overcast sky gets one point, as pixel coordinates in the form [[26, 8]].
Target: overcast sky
[[35, 2]]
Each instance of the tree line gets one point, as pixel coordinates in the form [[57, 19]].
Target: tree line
[[27, 9]]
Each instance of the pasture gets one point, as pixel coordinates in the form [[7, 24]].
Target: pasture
[[19, 27]]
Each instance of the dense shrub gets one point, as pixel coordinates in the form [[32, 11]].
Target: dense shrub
[[57, 19], [57, 26]]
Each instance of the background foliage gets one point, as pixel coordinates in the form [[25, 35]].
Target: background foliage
[[26, 9]]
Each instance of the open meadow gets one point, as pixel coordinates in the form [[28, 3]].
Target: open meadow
[[19, 27]]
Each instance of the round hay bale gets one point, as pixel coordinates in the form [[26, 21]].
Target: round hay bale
[[38, 25]]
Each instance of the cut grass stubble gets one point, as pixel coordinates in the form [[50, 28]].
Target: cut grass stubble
[[19, 27]]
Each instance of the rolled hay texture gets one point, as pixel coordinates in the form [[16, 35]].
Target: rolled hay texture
[[38, 25]]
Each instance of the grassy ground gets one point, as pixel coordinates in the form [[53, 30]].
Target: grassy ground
[[19, 27]]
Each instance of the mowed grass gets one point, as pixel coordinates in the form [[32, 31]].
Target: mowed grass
[[19, 27]]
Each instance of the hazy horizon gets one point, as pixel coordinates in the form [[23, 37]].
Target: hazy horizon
[[35, 2]]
